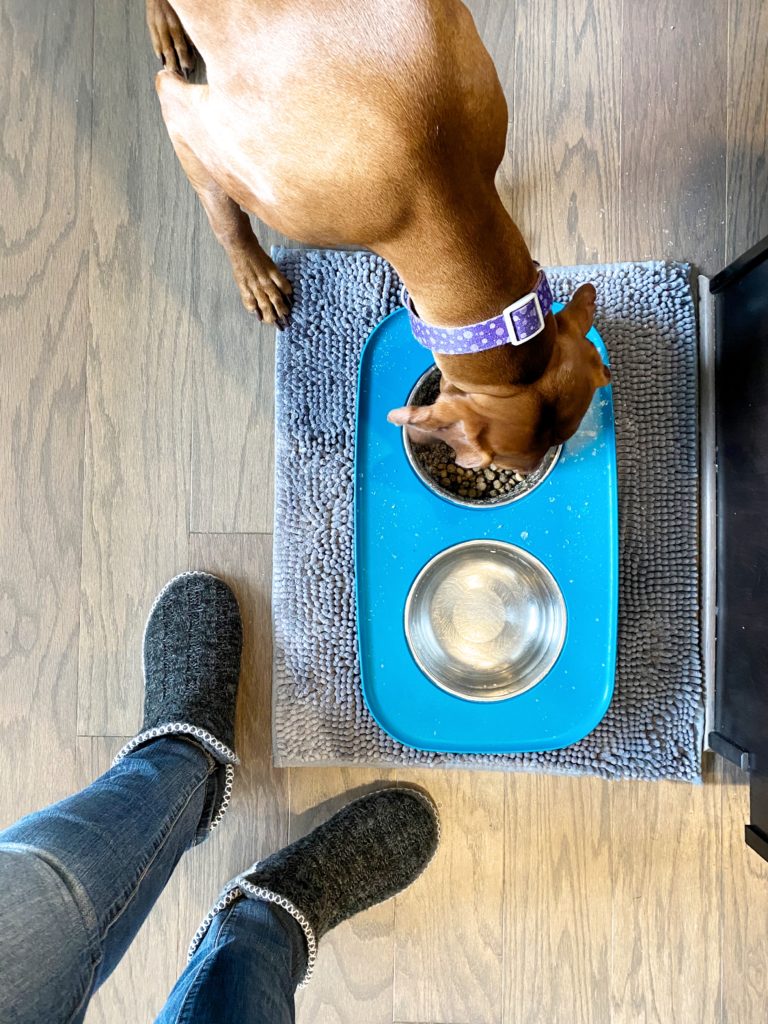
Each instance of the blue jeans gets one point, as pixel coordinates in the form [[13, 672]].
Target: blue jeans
[[78, 879]]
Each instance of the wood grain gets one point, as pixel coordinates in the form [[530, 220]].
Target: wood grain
[[45, 113], [138, 427], [354, 975], [497, 25], [746, 194], [666, 871], [560, 179], [448, 927], [744, 901], [558, 892], [232, 397], [673, 126]]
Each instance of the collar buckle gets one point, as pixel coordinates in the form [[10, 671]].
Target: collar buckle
[[524, 318]]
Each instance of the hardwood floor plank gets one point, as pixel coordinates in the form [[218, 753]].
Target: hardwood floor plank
[[747, 185], [448, 927], [557, 910], [666, 872], [744, 908], [497, 25], [45, 113], [353, 982], [232, 398], [138, 427], [673, 132], [560, 179]]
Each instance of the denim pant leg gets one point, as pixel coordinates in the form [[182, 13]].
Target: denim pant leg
[[245, 971], [78, 879]]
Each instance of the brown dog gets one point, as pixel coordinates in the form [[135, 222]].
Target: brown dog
[[352, 122]]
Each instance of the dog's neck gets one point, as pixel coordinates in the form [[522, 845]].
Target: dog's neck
[[467, 271], [462, 274]]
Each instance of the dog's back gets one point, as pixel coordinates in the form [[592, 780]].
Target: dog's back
[[338, 122]]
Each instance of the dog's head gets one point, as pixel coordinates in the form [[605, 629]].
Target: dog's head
[[515, 426]]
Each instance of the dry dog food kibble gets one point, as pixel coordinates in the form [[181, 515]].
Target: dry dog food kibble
[[438, 462]]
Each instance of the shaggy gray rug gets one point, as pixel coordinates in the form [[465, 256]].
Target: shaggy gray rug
[[653, 728]]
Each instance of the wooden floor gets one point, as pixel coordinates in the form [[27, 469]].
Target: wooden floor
[[135, 441]]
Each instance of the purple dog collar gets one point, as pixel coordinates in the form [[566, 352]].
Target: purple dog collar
[[518, 323]]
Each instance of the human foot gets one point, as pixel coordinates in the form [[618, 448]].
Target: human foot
[[192, 645], [366, 853]]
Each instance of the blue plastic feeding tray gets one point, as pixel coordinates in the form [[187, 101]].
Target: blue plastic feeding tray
[[539, 573]]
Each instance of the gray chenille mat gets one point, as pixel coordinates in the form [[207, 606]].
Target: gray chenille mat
[[653, 728]]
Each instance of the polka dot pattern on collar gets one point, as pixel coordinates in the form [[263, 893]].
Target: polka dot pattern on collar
[[524, 322]]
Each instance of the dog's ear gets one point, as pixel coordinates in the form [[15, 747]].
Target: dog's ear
[[603, 375], [425, 417], [580, 311], [448, 420], [577, 318]]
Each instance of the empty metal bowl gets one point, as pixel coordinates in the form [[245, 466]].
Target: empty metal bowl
[[485, 620]]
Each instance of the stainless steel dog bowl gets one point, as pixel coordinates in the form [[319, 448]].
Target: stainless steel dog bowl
[[485, 620], [424, 392]]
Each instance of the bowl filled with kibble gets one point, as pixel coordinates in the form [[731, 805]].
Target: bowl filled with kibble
[[435, 463]]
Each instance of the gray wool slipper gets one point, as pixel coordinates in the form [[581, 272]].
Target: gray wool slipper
[[366, 853], [192, 645]]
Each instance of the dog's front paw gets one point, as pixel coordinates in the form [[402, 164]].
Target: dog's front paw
[[169, 40], [264, 290]]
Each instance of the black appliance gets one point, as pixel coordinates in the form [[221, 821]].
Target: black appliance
[[734, 471]]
